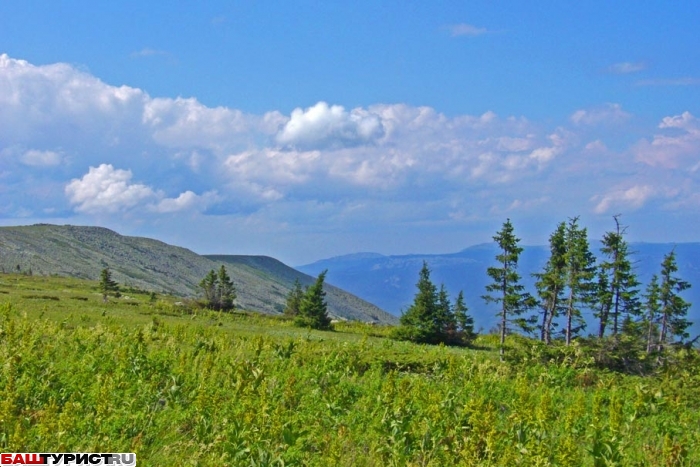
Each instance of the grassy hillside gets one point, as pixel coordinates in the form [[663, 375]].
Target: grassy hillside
[[149, 264], [231, 389]]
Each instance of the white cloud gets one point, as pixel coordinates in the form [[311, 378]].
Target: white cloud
[[37, 158], [57, 104], [340, 164], [186, 123], [607, 114], [105, 189], [630, 198], [624, 68], [464, 29], [324, 126], [672, 149], [685, 121], [187, 201]]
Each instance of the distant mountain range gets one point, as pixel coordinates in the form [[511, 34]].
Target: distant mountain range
[[389, 281], [262, 283]]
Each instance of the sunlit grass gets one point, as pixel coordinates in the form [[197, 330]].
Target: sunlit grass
[[180, 385]]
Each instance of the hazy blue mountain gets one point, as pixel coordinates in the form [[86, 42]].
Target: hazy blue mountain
[[262, 282], [389, 281]]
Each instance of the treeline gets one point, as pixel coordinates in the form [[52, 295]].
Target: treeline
[[307, 307], [630, 320], [572, 281]]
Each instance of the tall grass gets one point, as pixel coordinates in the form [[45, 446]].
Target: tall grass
[[217, 389]]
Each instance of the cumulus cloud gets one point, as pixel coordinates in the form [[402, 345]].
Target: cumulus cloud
[[58, 104], [105, 189], [187, 201], [186, 123], [324, 126], [74, 136]]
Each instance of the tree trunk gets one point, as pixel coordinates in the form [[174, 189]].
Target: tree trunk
[[662, 334], [569, 313], [550, 318], [616, 292], [504, 317], [603, 322], [503, 332], [649, 334], [548, 335], [543, 331]]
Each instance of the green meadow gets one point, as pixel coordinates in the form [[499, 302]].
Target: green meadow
[[179, 385]]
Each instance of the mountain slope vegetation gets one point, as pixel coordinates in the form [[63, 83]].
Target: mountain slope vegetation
[[262, 283], [182, 386], [340, 302]]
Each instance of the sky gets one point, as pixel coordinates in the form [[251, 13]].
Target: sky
[[308, 129]]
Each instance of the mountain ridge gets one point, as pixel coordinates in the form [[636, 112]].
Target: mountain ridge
[[83, 251]]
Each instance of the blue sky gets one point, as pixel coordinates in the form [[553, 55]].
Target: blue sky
[[304, 130]]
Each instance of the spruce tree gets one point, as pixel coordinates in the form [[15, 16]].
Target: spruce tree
[[313, 310], [107, 285], [446, 322], [422, 321], [674, 309], [652, 309], [465, 323], [506, 289], [226, 292], [552, 281], [218, 290], [602, 298], [580, 274], [209, 286], [294, 299], [621, 302]]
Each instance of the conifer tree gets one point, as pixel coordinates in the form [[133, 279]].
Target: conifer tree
[[465, 323], [620, 302], [107, 285], [602, 298], [226, 292], [652, 309], [580, 274], [422, 321], [674, 309], [313, 310], [218, 290], [446, 323], [551, 282], [294, 299], [209, 286], [506, 289]]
